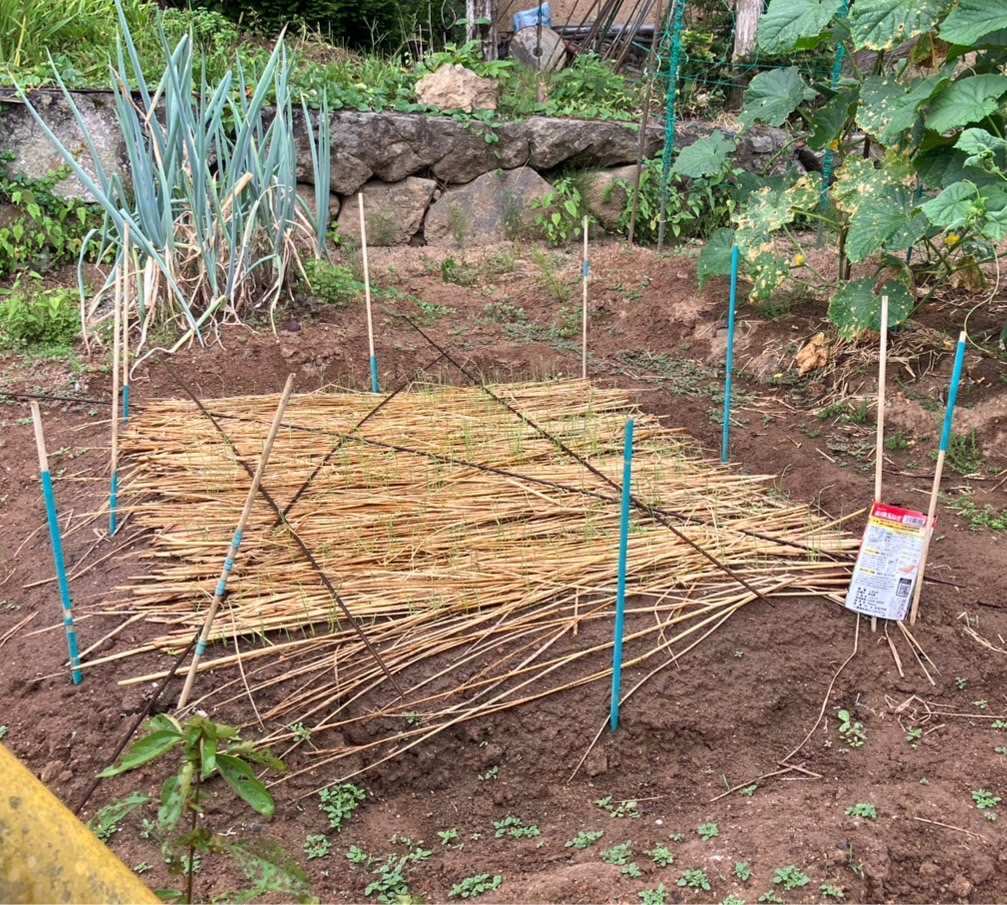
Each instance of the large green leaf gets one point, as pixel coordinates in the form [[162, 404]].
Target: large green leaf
[[829, 122], [859, 181], [953, 207], [980, 145], [148, 748], [884, 24], [715, 258], [789, 25], [938, 165], [971, 20], [857, 307], [886, 220], [888, 108], [705, 157], [772, 96], [967, 101], [994, 225], [242, 780]]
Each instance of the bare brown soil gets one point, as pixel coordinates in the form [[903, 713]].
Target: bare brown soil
[[724, 716]]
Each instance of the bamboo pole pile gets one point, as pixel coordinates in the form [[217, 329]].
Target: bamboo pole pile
[[468, 546]]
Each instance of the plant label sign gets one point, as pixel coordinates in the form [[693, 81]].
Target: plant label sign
[[888, 562]]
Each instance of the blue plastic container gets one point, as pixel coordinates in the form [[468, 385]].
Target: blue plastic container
[[531, 18]]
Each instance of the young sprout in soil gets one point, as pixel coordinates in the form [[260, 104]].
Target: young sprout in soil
[[850, 731], [447, 836], [791, 877], [695, 879], [474, 886], [339, 802], [661, 856], [617, 808], [986, 801], [998, 724], [982, 705], [835, 892], [708, 831], [654, 896], [863, 809], [514, 827], [317, 846], [743, 871], [618, 854], [961, 682], [748, 791], [771, 897], [913, 736], [733, 899], [491, 773], [677, 837], [585, 839]]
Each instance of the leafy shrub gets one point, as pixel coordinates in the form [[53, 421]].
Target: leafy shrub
[[37, 318]]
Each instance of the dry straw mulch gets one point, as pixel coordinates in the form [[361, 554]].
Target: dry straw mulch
[[476, 586]]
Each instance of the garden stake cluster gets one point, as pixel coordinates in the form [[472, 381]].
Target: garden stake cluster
[[475, 552]]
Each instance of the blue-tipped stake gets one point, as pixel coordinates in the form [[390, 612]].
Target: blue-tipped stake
[[620, 600], [367, 297], [725, 446], [57, 545], [956, 376]]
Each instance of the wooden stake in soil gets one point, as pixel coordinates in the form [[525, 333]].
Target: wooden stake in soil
[[57, 545], [879, 453], [113, 500], [367, 297], [620, 600], [125, 326], [956, 376], [586, 273], [235, 543]]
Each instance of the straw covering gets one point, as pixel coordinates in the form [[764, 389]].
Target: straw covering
[[473, 584]]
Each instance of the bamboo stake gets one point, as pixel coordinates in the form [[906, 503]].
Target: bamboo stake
[[125, 326], [879, 453], [956, 375], [586, 273], [113, 504], [236, 542], [367, 296], [57, 544]]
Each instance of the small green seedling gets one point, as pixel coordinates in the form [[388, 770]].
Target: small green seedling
[[733, 899], [617, 808], [695, 879], [339, 802], [657, 896], [317, 846], [447, 836], [863, 809], [791, 877], [743, 871], [491, 774], [585, 839], [913, 736], [676, 837], [475, 886], [632, 870], [618, 854], [961, 682], [850, 731], [661, 855], [835, 892], [708, 831], [105, 824], [748, 791], [515, 828], [986, 801], [771, 897]]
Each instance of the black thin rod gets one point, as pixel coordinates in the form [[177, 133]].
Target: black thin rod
[[635, 500], [42, 397], [342, 439], [293, 534]]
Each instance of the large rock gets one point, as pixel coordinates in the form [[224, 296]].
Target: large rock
[[585, 143], [393, 214], [453, 87], [604, 195], [35, 155], [492, 208]]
